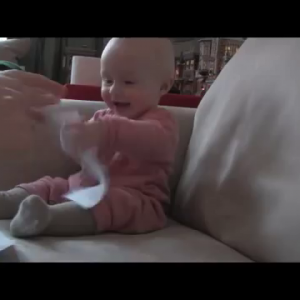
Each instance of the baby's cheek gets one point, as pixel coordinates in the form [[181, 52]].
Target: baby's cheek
[[135, 96], [106, 98]]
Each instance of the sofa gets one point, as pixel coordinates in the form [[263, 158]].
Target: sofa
[[235, 185]]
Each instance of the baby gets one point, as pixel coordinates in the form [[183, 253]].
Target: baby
[[135, 139]]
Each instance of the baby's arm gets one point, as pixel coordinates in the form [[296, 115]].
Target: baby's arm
[[154, 137]]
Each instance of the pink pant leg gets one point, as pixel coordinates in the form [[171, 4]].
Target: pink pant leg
[[129, 211], [48, 188]]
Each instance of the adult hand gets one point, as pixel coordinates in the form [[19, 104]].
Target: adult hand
[[28, 92]]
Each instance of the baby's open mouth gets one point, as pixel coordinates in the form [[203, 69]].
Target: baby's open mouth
[[121, 104]]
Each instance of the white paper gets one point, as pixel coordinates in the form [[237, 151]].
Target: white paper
[[61, 115], [7, 250], [90, 196], [5, 242], [8, 253]]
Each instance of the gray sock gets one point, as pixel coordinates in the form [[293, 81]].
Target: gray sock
[[35, 217], [32, 217], [10, 202], [69, 219]]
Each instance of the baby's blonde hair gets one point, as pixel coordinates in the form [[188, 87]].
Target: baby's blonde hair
[[159, 50]]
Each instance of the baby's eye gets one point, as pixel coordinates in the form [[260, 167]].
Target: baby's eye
[[108, 81], [129, 82]]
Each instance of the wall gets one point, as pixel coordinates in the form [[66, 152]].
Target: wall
[[45, 54], [48, 57], [82, 42], [47, 62], [105, 41], [185, 44]]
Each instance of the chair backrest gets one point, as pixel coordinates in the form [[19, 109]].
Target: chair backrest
[[85, 70]]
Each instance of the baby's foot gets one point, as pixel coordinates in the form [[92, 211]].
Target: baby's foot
[[10, 201], [32, 218]]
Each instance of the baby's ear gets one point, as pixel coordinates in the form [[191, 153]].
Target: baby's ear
[[166, 86]]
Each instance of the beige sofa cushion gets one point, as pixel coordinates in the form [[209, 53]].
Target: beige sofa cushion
[[241, 178], [185, 119], [176, 243], [13, 49]]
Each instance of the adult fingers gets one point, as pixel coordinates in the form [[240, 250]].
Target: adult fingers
[[9, 98], [13, 101], [38, 98], [33, 80], [8, 92], [10, 82], [26, 99], [36, 115]]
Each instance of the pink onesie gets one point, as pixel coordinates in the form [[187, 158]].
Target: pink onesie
[[139, 155]]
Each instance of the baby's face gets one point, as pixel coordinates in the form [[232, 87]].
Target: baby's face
[[129, 85]]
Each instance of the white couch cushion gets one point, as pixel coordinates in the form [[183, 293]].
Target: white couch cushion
[[175, 243], [241, 177]]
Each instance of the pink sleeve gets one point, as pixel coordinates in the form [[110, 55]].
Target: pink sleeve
[[154, 137]]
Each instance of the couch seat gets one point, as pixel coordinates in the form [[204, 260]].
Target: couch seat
[[176, 243]]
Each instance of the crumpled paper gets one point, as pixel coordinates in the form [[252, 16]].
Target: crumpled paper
[[86, 197], [7, 249]]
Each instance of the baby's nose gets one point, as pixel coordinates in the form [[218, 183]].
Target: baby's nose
[[115, 93]]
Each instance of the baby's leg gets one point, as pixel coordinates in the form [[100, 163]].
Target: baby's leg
[[128, 210], [10, 202], [125, 211], [35, 217], [47, 188]]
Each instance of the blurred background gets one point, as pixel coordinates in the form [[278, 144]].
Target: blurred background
[[198, 60]]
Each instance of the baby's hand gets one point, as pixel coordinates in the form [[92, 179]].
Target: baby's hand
[[79, 137]]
